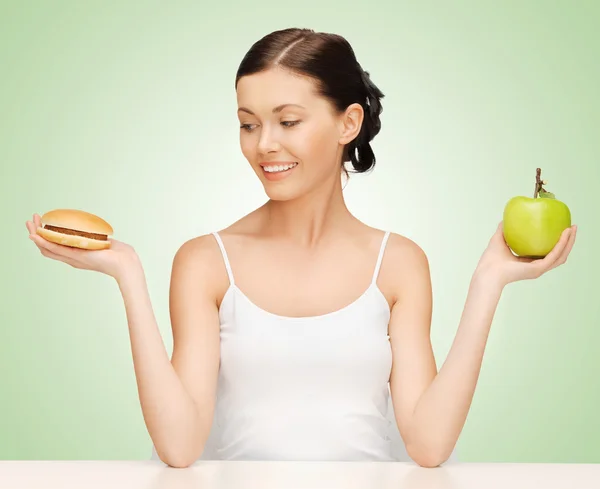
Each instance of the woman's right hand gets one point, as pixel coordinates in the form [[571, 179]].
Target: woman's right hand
[[112, 261]]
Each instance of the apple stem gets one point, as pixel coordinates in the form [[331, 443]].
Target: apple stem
[[538, 182]]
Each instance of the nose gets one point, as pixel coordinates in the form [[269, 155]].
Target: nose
[[267, 142]]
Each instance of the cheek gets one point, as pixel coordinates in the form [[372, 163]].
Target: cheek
[[248, 146], [320, 147], [311, 145]]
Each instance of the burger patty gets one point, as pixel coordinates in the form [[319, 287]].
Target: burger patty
[[101, 237]]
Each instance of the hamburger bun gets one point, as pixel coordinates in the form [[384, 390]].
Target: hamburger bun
[[75, 228]]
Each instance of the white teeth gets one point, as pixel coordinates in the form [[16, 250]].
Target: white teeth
[[274, 169]]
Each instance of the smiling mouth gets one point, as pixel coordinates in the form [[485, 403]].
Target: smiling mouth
[[276, 173], [279, 168]]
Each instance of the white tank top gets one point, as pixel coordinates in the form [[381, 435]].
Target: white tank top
[[303, 388]]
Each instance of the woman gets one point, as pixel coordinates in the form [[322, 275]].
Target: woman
[[290, 324]]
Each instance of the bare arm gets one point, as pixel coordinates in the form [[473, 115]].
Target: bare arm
[[431, 407], [177, 396]]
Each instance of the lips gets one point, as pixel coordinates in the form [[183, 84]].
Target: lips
[[275, 176]]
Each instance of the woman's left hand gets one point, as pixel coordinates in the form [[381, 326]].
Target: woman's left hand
[[499, 261]]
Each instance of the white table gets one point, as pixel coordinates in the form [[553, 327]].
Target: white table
[[288, 475]]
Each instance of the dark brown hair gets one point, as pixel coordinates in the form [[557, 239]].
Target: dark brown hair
[[330, 61]]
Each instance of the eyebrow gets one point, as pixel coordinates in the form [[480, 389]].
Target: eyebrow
[[279, 108]]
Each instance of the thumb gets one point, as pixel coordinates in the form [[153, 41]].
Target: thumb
[[498, 236], [500, 230]]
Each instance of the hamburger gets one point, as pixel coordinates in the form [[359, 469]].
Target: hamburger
[[75, 228]]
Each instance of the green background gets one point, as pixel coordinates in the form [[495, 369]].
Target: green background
[[127, 110]]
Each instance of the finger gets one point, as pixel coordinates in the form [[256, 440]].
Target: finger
[[543, 265], [500, 230], [60, 250], [498, 235], [526, 259], [560, 247], [567, 250], [33, 224], [54, 256]]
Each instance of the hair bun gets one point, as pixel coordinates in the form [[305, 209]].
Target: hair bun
[[373, 102]]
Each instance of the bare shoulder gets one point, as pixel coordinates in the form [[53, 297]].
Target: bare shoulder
[[198, 264], [406, 263], [197, 252], [405, 251]]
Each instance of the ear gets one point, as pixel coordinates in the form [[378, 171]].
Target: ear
[[350, 123]]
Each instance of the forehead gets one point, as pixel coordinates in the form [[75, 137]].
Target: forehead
[[268, 89]]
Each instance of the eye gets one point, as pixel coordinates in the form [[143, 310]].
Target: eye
[[247, 128]]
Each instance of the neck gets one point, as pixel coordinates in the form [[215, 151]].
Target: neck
[[310, 219]]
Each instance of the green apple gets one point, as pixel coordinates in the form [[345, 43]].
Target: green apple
[[532, 226]]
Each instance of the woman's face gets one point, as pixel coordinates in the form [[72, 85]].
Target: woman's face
[[290, 136]]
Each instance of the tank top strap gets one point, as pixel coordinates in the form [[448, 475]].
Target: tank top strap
[[225, 258], [380, 257]]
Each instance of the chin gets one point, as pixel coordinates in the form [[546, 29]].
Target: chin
[[281, 195], [281, 191]]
